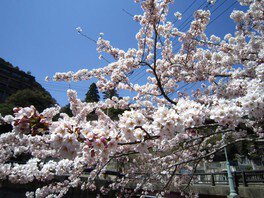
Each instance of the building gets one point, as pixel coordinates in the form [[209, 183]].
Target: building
[[12, 79]]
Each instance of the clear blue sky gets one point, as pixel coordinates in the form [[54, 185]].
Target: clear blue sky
[[39, 35]]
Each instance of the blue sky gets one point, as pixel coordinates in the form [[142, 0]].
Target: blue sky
[[39, 35]]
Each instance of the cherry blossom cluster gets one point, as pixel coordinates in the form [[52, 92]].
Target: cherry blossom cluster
[[8, 119], [28, 120], [130, 122], [169, 122]]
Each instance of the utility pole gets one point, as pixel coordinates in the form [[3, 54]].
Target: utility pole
[[233, 193]]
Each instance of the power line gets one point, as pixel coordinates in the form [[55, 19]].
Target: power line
[[65, 87], [56, 90], [62, 89], [218, 6], [185, 10], [141, 76], [219, 15], [187, 84], [188, 7], [187, 20], [215, 20], [223, 12], [172, 93], [52, 83], [179, 28], [182, 28]]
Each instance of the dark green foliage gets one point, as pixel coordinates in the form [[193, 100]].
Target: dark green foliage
[[250, 150], [92, 116], [231, 151], [92, 95], [6, 109], [110, 93], [27, 97], [66, 109], [112, 112], [25, 91]]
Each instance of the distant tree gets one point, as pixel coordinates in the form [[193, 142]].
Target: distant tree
[[93, 94], [23, 98], [66, 109], [6, 109], [110, 93], [112, 112]]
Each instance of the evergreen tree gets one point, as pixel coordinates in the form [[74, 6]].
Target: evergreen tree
[[112, 112], [92, 95], [110, 93], [66, 109]]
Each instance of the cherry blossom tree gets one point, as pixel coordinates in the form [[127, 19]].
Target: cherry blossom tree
[[159, 135]]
